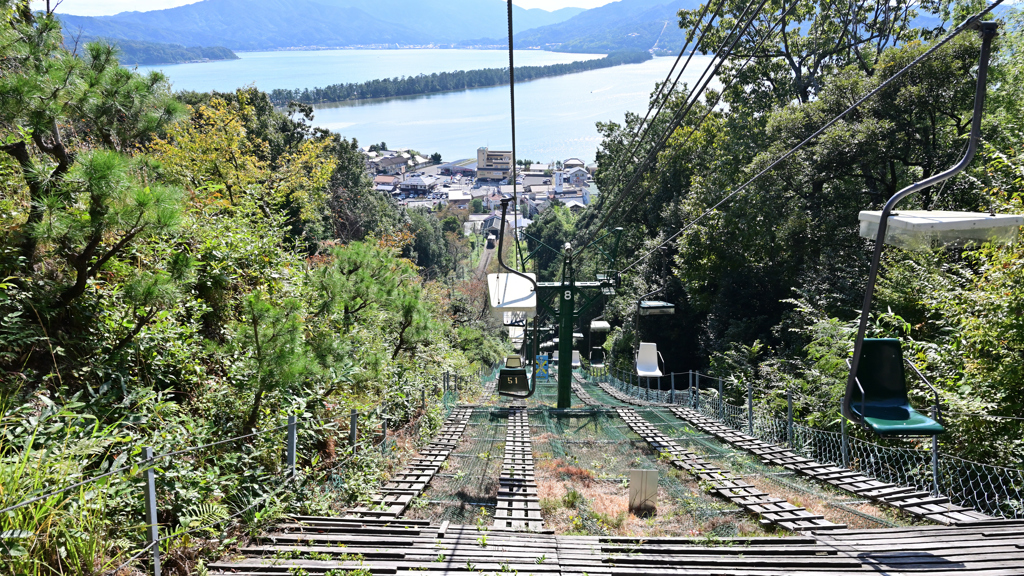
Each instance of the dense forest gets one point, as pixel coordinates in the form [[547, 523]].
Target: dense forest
[[139, 53], [768, 285], [446, 81], [179, 269]]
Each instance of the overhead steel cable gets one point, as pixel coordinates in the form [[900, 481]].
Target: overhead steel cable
[[711, 105], [637, 138], [953, 34], [680, 115]]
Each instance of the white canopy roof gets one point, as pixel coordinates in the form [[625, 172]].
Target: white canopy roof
[[511, 293], [600, 326], [917, 229]]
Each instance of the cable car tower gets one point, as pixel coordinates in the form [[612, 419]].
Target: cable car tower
[[565, 300]]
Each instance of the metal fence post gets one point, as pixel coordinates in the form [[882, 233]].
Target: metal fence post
[[721, 400], [845, 443], [423, 399], [672, 392], [789, 418], [935, 453], [152, 531], [750, 407], [354, 421], [292, 440], [689, 389], [384, 441], [696, 391]]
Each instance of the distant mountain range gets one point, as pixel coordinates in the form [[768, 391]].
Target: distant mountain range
[[277, 24], [624, 25]]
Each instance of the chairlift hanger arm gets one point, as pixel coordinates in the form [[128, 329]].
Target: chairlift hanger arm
[[988, 31], [921, 377]]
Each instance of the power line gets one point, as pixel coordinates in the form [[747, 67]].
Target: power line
[[956, 32]]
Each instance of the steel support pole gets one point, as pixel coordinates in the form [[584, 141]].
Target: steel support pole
[[845, 443], [291, 445], [750, 407], [789, 418], [152, 530], [721, 400], [696, 391], [935, 454], [672, 392], [353, 423], [690, 390]]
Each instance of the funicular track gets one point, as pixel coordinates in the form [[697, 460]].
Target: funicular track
[[920, 504]]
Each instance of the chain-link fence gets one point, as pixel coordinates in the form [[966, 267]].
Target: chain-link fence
[[990, 489]]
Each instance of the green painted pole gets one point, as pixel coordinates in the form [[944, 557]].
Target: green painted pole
[[566, 317]]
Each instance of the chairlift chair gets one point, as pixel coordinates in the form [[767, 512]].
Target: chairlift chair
[[512, 378], [656, 308], [595, 353], [576, 361], [647, 361], [876, 389], [883, 405]]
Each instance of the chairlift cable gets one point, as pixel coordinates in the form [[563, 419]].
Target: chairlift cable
[[711, 106], [953, 34], [644, 127], [716, 63], [650, 126]]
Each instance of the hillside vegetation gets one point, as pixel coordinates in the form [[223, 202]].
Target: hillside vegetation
[[177, 270], [768, 285], [139, 53]]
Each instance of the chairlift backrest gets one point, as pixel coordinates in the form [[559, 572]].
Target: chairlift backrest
[[647, 360], [576, 362], [514, 361], [881, 371]]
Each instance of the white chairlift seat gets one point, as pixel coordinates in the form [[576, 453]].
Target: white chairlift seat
[[576, 362], [926, 229], [512, 293], [656, 308], [600, 326], [516, 334], [647, 361]]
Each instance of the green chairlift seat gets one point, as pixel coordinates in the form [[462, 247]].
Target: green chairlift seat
[[881, 402], [513, 380]]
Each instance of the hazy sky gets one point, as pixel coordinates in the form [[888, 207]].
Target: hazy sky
[[102, 7]]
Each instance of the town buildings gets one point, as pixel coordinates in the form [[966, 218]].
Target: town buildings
[[493, 164]]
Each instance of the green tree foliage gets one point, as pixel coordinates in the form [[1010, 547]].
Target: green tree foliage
[[767, 284], [178, 269], [445, 81]]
